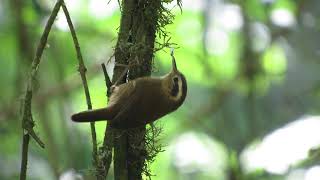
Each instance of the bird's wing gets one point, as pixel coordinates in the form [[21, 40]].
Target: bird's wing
[[121, 93], [128, 99]]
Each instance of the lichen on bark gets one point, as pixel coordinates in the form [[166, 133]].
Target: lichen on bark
[[141, 22]]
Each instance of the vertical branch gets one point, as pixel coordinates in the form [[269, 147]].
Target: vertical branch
[[140, 20], [143, 36], [24, 160], [105, 152], [135, 43], [121, 56], [82, 71], [27, 121], [120, 155], [250, 70]]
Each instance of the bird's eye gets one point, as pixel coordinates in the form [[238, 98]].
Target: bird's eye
[[175, 79], [175, 87]]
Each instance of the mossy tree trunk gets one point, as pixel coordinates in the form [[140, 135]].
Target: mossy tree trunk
[[135, 46]]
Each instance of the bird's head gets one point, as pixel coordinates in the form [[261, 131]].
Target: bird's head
[[175, 82]]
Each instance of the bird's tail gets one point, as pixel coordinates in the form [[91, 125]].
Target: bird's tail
[[93, 115]]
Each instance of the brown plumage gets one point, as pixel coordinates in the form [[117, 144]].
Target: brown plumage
[[140, 101]]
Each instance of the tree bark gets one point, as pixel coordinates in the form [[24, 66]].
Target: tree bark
[[135, 46]]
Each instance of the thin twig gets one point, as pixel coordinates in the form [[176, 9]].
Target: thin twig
[[27, 121], [107, 79], [82, 71], [124, 72]]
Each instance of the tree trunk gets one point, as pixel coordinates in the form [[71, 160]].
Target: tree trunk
[[135, 46]]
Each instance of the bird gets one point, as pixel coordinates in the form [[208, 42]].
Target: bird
[[140, 101]]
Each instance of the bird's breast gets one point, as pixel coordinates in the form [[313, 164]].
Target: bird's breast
[[154, 102]]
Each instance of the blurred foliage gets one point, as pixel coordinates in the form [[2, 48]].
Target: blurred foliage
[[251, 66]]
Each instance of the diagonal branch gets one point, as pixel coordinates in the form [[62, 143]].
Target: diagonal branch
[[82, 71], [27, 121]]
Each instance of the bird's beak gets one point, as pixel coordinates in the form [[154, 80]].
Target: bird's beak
[[174, 65]]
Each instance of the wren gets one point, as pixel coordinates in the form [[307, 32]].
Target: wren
[[140, 101]]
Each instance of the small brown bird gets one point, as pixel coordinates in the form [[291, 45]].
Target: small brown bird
[[140, 101]]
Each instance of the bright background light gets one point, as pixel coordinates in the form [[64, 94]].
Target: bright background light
[[61, 22], [282, 18], [230, 18], [102, 8], [217, 41], [192, 152], [313, 173], [284, 147]]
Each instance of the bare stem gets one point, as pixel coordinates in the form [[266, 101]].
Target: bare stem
[[24, 161], [27, 120], [82, 71], [107, 79]]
